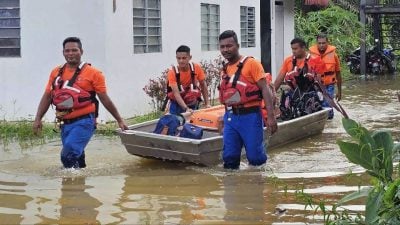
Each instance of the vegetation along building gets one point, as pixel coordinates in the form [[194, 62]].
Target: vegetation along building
[[131, 41]]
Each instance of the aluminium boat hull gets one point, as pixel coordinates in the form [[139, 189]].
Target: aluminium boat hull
[[140, 141]]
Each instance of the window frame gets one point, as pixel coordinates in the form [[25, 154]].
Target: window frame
[[10, 29], [147, 27], [247, 27], [210, 20]]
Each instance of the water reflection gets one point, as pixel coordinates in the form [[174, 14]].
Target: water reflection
[[13, 202], [244, 199], [166, 193], [77, 206]]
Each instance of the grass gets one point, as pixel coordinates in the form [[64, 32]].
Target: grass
[[22, 133]]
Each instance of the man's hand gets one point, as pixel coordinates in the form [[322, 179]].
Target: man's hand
[[37, 127], [309, 76], [189, 110], [289, 76], [272, 125], [122, 125], [338, 95]]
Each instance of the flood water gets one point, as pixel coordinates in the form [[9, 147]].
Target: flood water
[[118, 188]]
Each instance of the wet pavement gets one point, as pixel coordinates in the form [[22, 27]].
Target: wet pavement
[[118, 188]]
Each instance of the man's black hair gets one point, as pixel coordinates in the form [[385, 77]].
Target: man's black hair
[[299, 41], [73, 39], [228, 34], [183, 48], [322, 35]]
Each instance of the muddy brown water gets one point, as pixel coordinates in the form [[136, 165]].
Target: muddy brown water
[[118, 188]]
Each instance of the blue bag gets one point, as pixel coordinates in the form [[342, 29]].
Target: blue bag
[[191, 131], [168, 125]]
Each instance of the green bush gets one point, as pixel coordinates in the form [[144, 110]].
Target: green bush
[[342, 27]]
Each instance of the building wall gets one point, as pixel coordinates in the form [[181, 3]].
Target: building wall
[[282, 32], [180, 25], [108, 44]]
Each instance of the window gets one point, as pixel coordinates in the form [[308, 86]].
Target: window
[[209, 27], [247, 27], [146, 26], [10, 29]]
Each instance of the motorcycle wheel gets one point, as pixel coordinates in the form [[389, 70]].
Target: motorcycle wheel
[[389, 64]]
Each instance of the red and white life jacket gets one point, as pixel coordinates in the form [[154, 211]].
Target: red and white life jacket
[[67, 96], [235, 90], [300, 77], [190, 94]]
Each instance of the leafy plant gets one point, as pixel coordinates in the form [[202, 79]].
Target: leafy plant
[[212, 70], [342, 27], [156, 89], [375, 152]]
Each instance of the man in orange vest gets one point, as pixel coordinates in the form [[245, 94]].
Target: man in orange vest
[[76, 113], [332, 75], [243, 125], [186, 83], [296, 62]]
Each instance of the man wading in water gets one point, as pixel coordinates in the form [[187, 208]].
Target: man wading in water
[[72, 88]]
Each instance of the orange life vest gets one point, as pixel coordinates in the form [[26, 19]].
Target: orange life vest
[[298, 79], [235, 90], [190, 94], [67, 95], [329, 77]]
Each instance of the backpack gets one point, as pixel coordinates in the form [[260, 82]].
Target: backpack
[[174, 125], [168, 124], [191, 131]]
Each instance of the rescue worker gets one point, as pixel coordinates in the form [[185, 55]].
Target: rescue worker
[[186, 84], [332, 74], [243, 122], [72, 88], [293, 64]]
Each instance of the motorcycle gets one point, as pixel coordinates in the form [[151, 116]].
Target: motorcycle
[[380, 62], [377, 62], [354, 62]]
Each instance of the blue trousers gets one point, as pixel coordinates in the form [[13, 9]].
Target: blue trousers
[[331, 92], [75, 137], [243, 130], [175, 108]]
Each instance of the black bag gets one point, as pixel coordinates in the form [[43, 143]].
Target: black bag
[[297, 103]]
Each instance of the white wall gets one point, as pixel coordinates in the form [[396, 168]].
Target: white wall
[[288, 26], [127, 73], [44, 25], [107, 38], [282, 33]]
